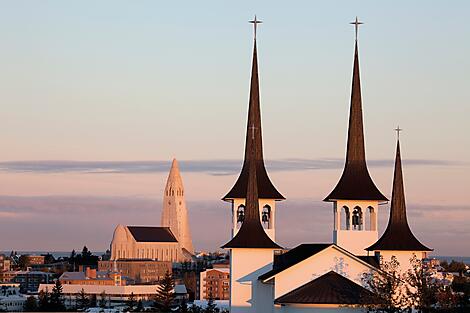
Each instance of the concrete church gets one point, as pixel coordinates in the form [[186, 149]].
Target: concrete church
[[169, 242], [313, 277]]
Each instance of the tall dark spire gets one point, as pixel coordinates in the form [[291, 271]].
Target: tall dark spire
[[266, 188], [251, 234], [355, 182], [398, 235]]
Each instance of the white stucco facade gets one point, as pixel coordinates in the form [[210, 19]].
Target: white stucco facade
[[124, 246], [355, 237], [330, 259], [247, 293]]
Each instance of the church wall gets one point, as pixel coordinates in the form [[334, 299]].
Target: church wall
[[247, 293], [403, 257], [330, 259], [146, 250], [355, 240]]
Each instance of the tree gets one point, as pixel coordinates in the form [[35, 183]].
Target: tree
[[165, 293], [44, 301], [86, 253], [458, 267], [211, 306], [31, 304], [131, 302], [195, 309], [388, 288], [183, 307], [56, 298], [82, 300], [93, 301], [422, 290], [140, 306], [103, 303]]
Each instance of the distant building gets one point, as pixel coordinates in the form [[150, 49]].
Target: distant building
[[92, 277], [140, 270], [29, 281], [29, 260], [5, 263], [171, 242], [11, 300], [215, 283], [114, 294]]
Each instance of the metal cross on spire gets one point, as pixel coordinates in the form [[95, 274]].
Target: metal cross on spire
[[252, 128], [255, 23], [398, 130], [356, 24]]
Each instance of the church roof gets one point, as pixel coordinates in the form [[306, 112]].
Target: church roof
[[398, 235], [355, 182], [251, 234], [330, 288], [266, 189], [294, 256], [152, 234]]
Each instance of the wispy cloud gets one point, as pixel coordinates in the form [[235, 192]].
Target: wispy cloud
[[91, 220], [212, 167]]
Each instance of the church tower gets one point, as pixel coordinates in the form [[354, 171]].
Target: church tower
[[268, 194], [175, 213], [355, 198], [398, 239], [251, 254]]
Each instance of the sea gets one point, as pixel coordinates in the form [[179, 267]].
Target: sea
[[58, 254]]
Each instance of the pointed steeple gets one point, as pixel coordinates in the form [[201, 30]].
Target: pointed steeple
[[174, 177], [398, 235], [355, 182], [175, 212], [251, 233], [266, 188]]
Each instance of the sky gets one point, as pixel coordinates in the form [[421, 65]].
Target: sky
[[96, 98]]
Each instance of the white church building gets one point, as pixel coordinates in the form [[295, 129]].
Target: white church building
[[312, 277], [169, 242]]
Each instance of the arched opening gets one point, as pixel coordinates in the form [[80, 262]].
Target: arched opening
[[357, 218], [240, 214], [371, 219], [266, 216], [345, 218]]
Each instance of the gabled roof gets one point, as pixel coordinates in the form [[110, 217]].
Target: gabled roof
[[294, 256], [152, 234], [251, 234], [355, 182], [330, 288], [266, 189], [398, 235]]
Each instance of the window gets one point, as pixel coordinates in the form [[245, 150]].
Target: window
[[345, 216], [357, 218], [240, 214], [266, 216]]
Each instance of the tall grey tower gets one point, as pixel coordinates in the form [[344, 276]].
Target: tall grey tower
[[175, 213]]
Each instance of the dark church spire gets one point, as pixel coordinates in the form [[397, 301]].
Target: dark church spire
[[266, 189], [251, 233], [398, 235], [355, 182]]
